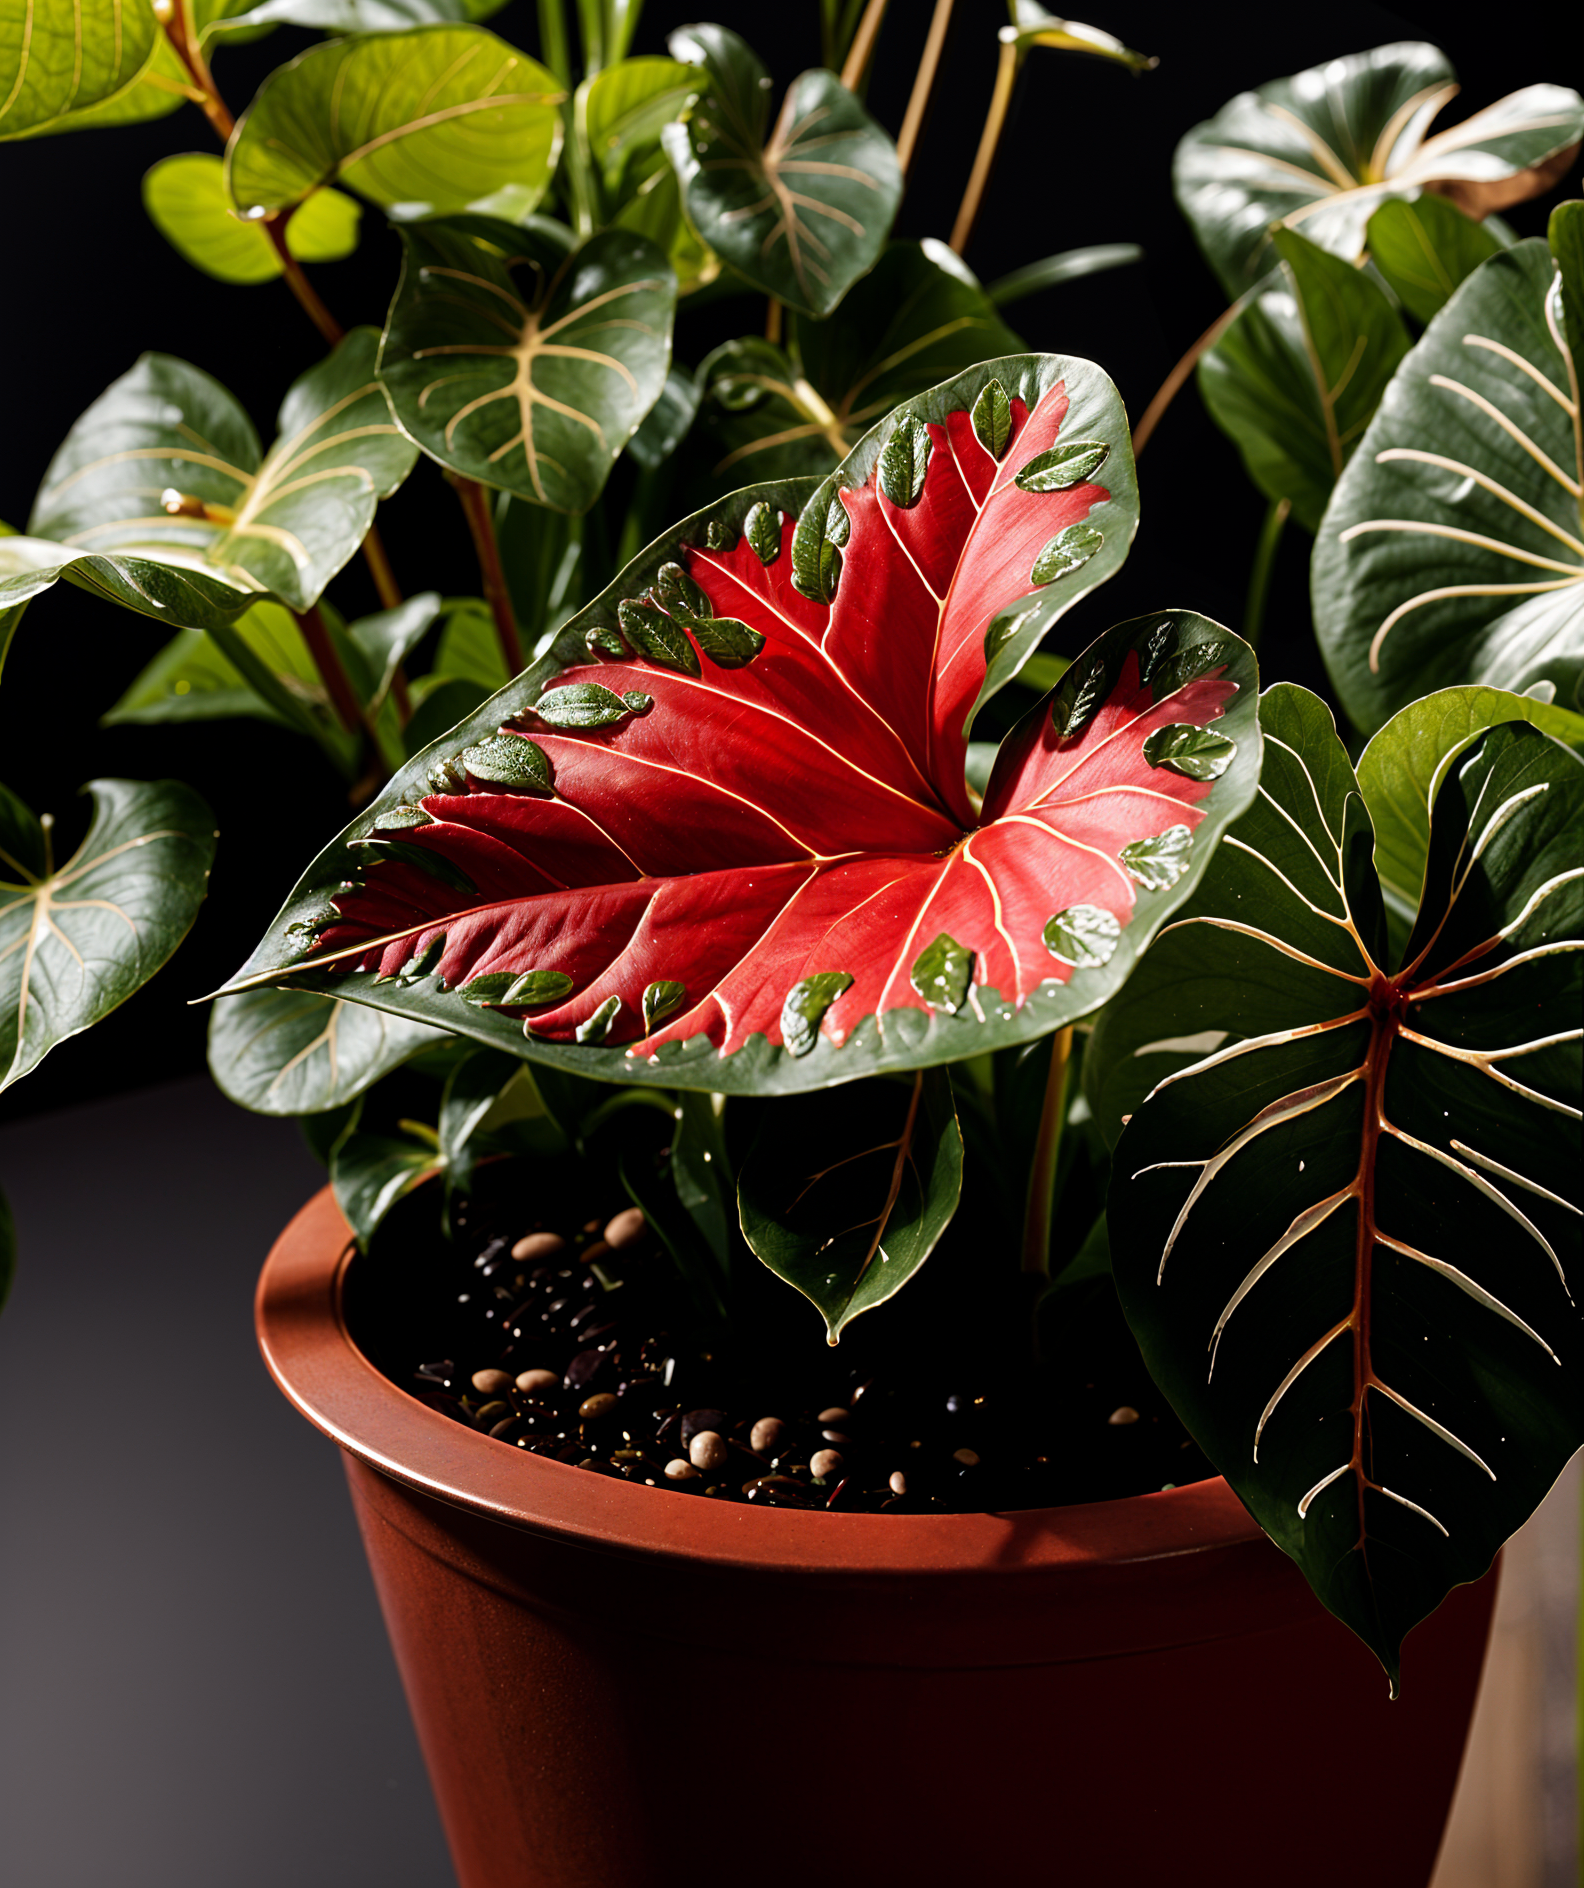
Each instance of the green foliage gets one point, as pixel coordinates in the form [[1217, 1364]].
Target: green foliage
[[187, 202]]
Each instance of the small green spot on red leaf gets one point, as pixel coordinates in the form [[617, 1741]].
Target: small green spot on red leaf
[[1158, 862], [904, 462], [992, 419], [1063, 466], [583, 705], [654, 635], [597, 1027], [1067, 551], [762, 528], [805, 1007], [1196, 753], [940, 974], [509, 760], [660, 1000], [534, 987], [1085, 936]]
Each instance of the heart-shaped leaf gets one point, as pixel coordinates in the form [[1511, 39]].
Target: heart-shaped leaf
[[60, 57], [619, 114], [1298, 376], [429, 121], [522, 363], [918, 317], [358, 16], [1347, 1240], [193, 679], [1452, 551], [1032, 25], [846, 1196], [787, 834], [186, 200], [803, 214], [1323, 150], [165, 463], [1426, 250], [76, 940], [372, 1172], [290, 1052]]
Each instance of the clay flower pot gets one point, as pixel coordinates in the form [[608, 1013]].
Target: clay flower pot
[[634, 1688]]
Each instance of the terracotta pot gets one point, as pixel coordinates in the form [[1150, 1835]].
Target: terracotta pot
[[629, 1687]]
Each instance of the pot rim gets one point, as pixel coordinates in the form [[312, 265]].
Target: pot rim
[[313, 1358]]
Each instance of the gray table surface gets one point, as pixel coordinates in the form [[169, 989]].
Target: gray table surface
[[195, 1688]]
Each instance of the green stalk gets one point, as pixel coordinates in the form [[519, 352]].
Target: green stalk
[[1042, 1172], [989, 141], [923, 85], [1260, 571], [553, 40], [476, 508]]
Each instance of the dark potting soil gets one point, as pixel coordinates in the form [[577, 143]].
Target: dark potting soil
[[571, 1338]]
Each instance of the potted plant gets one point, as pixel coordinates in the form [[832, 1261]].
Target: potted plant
[[717, 912]]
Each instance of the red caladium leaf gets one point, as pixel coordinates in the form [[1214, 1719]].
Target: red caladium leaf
[[721, 837]]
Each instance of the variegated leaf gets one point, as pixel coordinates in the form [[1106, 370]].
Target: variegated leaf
[[743, 774]]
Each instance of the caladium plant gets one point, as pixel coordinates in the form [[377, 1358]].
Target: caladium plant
[[814, 826]]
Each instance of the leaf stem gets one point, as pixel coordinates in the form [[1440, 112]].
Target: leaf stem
[[1042, 1172], [385, 583], [1260, 571], [861, 51], [274, 226], [553, 44], [174, 17], [773, 310], [924, 83], [338, 684], [476, 508], [989, 141], [1172, 384]]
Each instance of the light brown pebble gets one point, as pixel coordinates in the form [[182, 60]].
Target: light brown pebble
[[968, 1457], [626, 1228], [825, 1462], [679, 1471], [532, 1382], [708, 1450], [537, 1246], [766, 1434], [834, 1414], [491, 1382], [836, 1436], [1119, 1417], [898, 1482], [592, 1408]]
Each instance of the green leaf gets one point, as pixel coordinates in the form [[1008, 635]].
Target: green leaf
[[1072, 463], [187, 203], [469, 648], [358, 16], [386, 639], [78, 939], [289, 1052], [941, 973], [654, 211], [372, 1172], [701, 1172], [1298, 376], [620, 113], [1565, 234], [425, 122], [166, 465], [845, 1195], [1453, 550], [805, 1005], [513, 362], [1346, 1239], [1069, 550], [803, 215], [60, 57], [1323, 150], [1197, 753], [1066, 267], [1033, 26], [1401, 770], [471, 1091], [1426, 249], [904, 461]]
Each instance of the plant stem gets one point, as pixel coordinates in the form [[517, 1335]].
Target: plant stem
[[173, 17], [274, 226], [1172, 384], [1042, 1173], [553, 47], [338, 684], [1260, 571], [862, 48], [385, 583], [476, 508], [989, 141], [923, 84], [773, 310]]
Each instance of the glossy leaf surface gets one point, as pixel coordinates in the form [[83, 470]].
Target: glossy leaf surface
[[620, 114], [187, 202], [1426, 250], [803, 213], [429, 121], [290, 1052], [77, 939], [1347, 1238], [1323, 150], [1299, 375], [359, 16], [918, 317], [846, 1196], [60, 57], [1034, 25], [165, 463], [1453, 550], [524, 365], [783, 828]]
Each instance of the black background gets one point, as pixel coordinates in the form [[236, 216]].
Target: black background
[[89, 285]]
